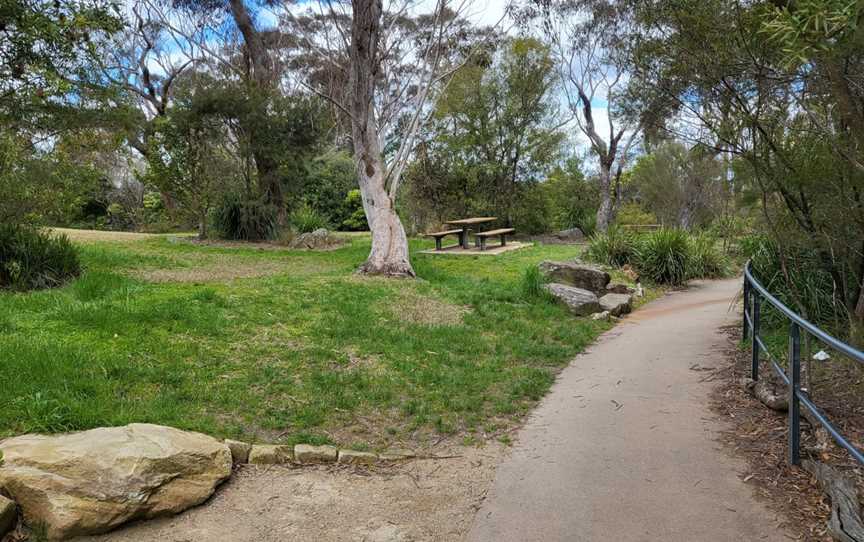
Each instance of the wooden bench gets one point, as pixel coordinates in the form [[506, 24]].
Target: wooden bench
[[438, 235], [500, 232]]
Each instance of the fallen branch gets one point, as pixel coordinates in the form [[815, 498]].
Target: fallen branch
[[845, 523]]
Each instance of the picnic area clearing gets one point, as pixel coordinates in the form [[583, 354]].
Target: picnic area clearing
[[284, 346]]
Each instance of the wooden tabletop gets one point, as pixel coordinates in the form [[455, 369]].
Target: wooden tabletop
[[475, 220]]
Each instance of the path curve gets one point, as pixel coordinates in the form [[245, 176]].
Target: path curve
[[623, 447]]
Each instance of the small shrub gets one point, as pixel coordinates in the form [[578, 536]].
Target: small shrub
[[704, 260], [662, 256], [245, 220], [30, 259], [634, 214], [306, 219], [356, 220], [615, 247]]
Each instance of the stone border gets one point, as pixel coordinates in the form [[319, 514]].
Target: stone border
[[243, 453]]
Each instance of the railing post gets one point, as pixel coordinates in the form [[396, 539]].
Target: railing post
[[754, 316], [746, 304], [794, 387]]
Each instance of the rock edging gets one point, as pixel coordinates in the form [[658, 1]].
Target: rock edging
[[306, 454]]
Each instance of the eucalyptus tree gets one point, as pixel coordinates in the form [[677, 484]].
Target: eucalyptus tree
[[381, 66], [587, 38]]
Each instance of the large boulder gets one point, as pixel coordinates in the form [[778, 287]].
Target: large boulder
[[571, 235], [617, 304], [91, 482], [581, 302], [580, 275]]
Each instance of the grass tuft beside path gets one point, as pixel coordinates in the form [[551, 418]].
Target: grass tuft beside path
[[278, 345]]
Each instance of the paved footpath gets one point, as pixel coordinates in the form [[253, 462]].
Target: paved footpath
[[623, 447]]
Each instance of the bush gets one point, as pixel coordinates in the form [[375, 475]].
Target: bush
[[306, 219], [240, 219], [704, 260], [615, 247], [633, 214], [662, 256], [30, 259], [356, 220], [805, 286]]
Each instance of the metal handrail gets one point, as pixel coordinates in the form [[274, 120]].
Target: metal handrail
[[791, 377]]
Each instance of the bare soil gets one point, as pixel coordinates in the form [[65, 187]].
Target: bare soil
[[421, 499]]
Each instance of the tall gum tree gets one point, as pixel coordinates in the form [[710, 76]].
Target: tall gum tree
[[585, 37], [388, 64]]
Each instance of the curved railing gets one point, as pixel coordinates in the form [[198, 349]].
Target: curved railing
[[754, 293]]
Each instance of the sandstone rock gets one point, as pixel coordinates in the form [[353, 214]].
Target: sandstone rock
[[239, 450], [571, 235], [8, 515], [319, 239], [616, 304], [270, 454], [350, 457], [629, 272], [601, 316], [576, 274], [91, 482], [618, 288], [304, 453], [397, 455], [580, 302]]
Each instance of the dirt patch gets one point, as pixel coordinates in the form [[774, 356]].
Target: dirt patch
[[422, 499], [414, 308], [758, 435], [221, 272], [98, 236]]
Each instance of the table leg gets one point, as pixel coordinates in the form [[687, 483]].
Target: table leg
[[465, 238]]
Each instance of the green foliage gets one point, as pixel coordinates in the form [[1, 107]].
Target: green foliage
[[493, 139], [704, 259], [797, 277], [663, 256], [190, 160], [327, 187], [240, 219], [572, 199], [30, 259], [306, 219], [356, 219], [809, 28], [632, 214], [682, 187], [666, 256], [614, 247]]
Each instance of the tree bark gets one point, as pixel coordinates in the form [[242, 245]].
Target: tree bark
[[604, 211], [389, 255]]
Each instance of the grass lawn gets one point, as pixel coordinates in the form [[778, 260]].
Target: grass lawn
[[283, 346]]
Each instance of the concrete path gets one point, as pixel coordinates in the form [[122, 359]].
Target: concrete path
[[622, 449]]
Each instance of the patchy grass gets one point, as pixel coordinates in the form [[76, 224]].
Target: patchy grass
[[284, 345]]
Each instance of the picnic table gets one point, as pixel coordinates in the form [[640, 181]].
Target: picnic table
[[466, 223], [461, 228]]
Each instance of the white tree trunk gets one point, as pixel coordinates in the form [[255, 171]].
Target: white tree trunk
[[604, 211], [389, 254]]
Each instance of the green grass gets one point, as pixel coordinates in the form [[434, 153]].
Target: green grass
[[306, 351]]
